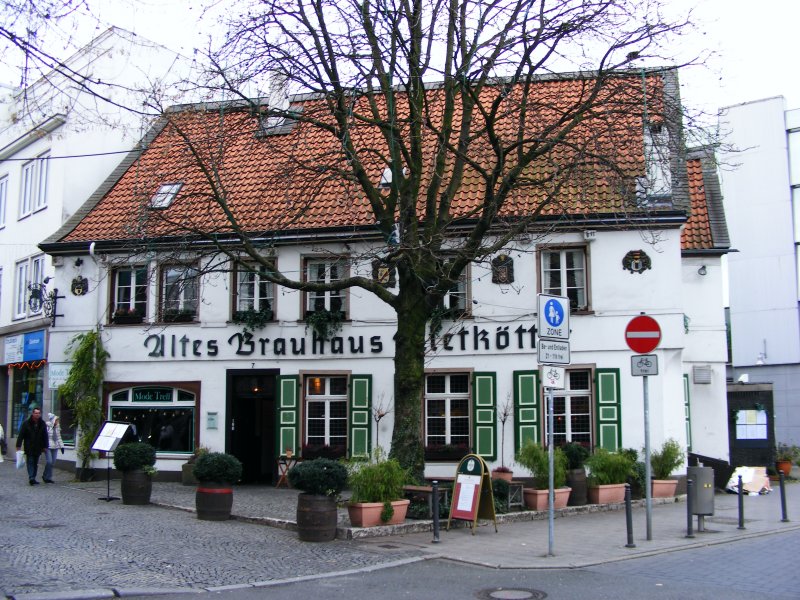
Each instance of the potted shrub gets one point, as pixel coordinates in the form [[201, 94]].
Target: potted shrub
[[663, 463], [377, 493], [502, 472], [321, 480], [215, 472], [535, 458], [608, 474], [135, 461], [187, 469], [576, 454], [785, 455]]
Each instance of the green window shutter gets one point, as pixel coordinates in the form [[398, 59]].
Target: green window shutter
[[526, 408], [608, 415], [484, 409], [288, 414], [687, 412], [360, 415]]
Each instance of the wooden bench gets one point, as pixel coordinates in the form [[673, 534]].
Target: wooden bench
[[426, 491]]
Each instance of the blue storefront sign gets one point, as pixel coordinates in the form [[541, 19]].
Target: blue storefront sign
[[33, 345]]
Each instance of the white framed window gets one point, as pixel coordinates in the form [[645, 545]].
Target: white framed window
[[454, 301], [325, 271], [447, 414], [33, 185], [326, 411], [160, 415], [27, 272], [180, 286], [572, 410], [129, 303], [253, 291], [165, 195], [3, 200], [564, 274]]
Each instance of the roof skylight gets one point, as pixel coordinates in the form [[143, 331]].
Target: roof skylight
[[165, 195]]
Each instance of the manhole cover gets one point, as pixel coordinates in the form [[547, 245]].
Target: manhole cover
[[388, 546], [510, 594]]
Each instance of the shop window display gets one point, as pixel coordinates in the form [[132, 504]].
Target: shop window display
[[162, 417]]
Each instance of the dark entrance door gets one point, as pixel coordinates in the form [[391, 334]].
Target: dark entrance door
[[250, 422]]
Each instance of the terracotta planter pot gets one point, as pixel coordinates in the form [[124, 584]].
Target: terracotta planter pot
[[507, 476], [784, 466], [538, 499], [607, 494], [664, 488], [213, 501], [136, 487], [368, 514]]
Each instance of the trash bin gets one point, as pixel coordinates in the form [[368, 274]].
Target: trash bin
[[703, 490]]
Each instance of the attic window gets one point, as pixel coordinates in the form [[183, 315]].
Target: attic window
[[165, 195], [280, 124], [386, 179]]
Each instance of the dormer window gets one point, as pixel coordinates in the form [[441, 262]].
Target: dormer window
[[165, 195]]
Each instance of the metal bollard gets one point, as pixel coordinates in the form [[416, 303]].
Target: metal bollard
[[629, 516], [689, 508], [784, 519], [435, 511], [741, 504]]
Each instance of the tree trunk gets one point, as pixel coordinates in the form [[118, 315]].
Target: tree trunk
[[409, 377]]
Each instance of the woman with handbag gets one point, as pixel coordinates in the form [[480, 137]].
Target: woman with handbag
[[55, 443]]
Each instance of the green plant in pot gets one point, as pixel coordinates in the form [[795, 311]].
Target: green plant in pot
[[608, 474], [785, 455], [321, 480], [536, 459], [576, 454], [136, 462], [216, 472], [663, 462], [377, 488]]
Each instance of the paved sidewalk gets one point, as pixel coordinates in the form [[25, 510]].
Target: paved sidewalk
[[603, 527]]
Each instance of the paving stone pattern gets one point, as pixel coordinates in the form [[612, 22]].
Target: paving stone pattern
[[63, 537]]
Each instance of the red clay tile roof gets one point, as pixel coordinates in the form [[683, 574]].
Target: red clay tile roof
[[696, 233], [298, 181]]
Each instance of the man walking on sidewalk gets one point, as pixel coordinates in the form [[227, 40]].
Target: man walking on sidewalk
[[33, 434]]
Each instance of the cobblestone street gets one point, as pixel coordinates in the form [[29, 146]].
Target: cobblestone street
[[57, 538]]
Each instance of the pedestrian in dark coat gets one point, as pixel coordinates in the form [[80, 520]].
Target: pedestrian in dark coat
[[33, 436]]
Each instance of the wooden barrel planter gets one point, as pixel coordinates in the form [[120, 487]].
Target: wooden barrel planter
[[317, 518], [576, 479], [213, 501], [136, 487]]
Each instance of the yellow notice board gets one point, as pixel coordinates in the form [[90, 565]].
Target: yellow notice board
[[472, 492]]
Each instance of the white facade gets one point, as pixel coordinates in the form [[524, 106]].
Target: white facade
[[498, 346], [58, 143], [761, 189]]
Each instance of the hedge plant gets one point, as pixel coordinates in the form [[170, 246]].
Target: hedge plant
[[321, 477], [606, 468], [133, 456], [217, 466]]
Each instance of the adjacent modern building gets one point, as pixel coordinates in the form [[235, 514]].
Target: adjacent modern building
[[190, 365], [59, 140], [760, 177]]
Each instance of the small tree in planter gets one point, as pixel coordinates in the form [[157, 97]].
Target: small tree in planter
[[216, 472], [608, 474], [504, 412], [321, 480], [136, 462], [377, 493], [663, 463], [536, 459], [576, 454]]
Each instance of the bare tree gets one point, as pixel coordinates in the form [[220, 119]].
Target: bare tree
[[439, 127]]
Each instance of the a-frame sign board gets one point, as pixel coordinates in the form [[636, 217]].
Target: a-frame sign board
[[472, 493]]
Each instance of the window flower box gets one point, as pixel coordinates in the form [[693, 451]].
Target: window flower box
[[446, 452], [178, 316], [127, 317], [311, 451]]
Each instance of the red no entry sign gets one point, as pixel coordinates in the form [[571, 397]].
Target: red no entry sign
[[642, 334]]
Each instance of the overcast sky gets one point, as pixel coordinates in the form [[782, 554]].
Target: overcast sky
[[755, 44]]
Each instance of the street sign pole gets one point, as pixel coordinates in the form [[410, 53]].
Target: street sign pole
[[551, 494], [648, 486]]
